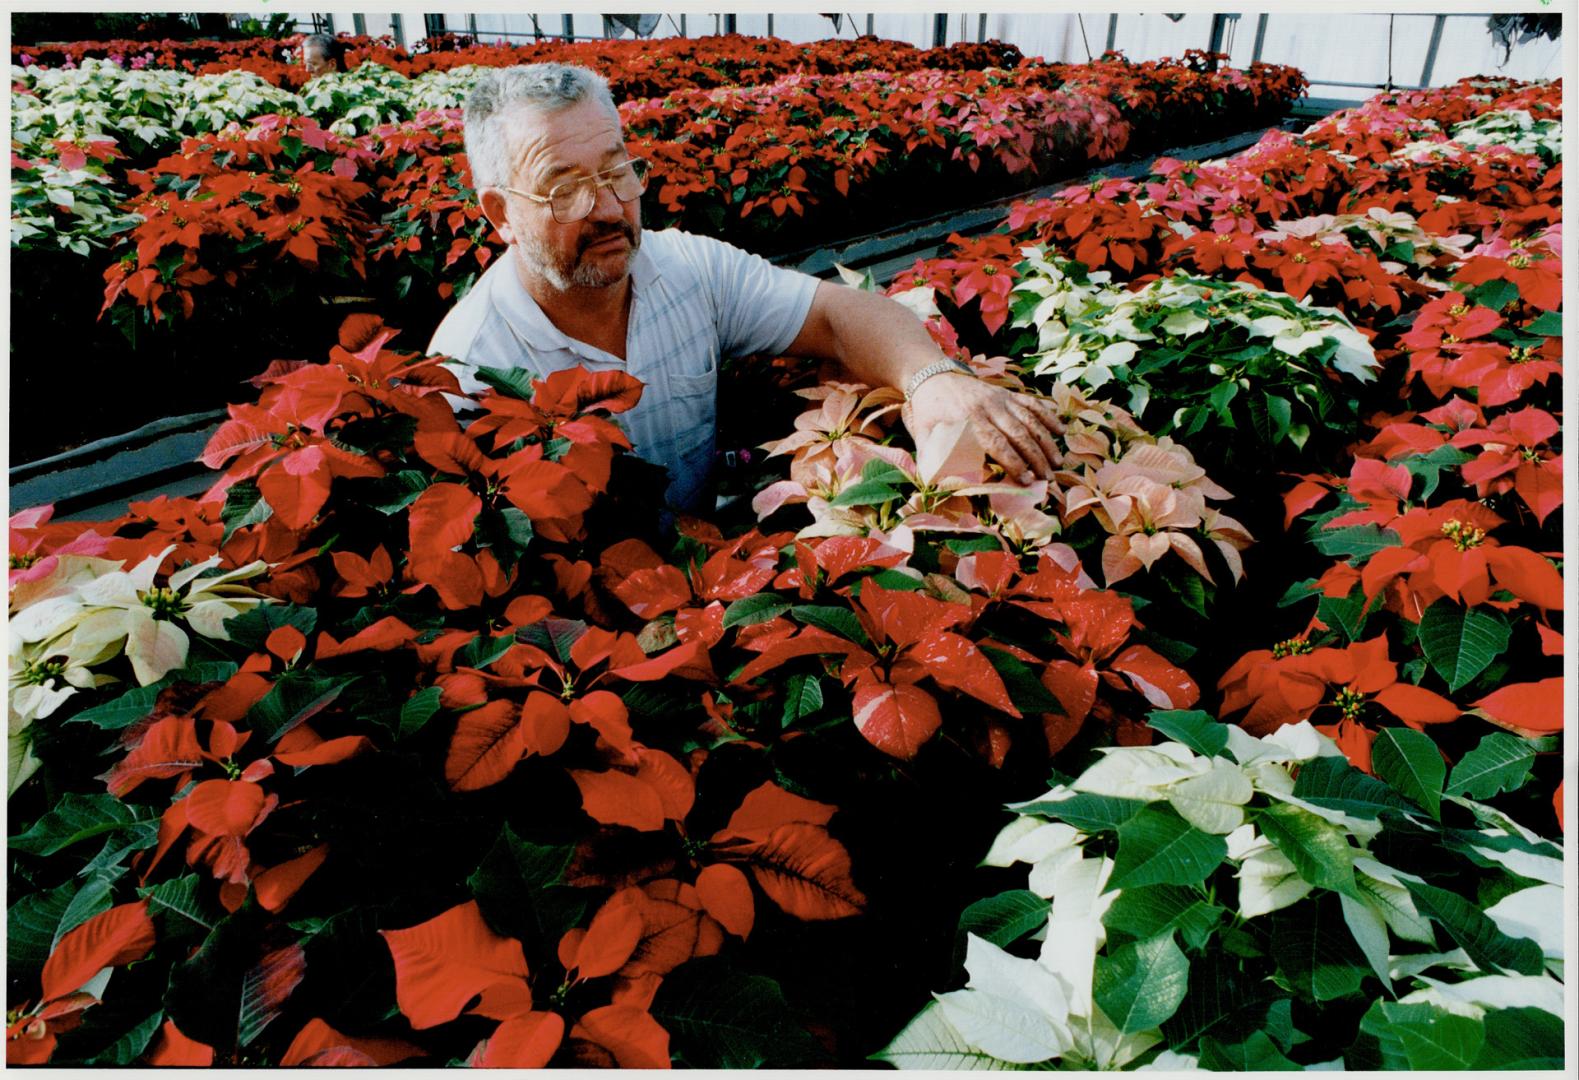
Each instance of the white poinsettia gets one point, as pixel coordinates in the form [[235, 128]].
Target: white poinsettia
[[1268, 881], [124, 610], [1014, 1009]]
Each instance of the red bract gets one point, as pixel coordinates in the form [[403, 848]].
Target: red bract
[[1295, 682], [443, 964]]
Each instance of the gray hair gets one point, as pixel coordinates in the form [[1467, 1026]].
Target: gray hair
[[322, 44], [499, 92]]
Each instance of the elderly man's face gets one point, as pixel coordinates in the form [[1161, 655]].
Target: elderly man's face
[[316, 61], [557, 148]]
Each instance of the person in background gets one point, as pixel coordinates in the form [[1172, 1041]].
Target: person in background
[[322, 54], [583, 285]]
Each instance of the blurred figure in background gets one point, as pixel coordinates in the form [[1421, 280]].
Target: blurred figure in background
[[322, 54]]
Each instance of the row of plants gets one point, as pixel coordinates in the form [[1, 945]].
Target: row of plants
[[407, 742], [1413, 615], [295, 211], [635, 68]]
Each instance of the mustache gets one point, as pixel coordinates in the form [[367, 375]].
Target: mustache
[[621, 230]]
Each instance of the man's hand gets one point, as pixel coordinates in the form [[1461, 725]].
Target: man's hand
[[1018, 431]]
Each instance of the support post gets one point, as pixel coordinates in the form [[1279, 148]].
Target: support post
[[869, 24], [1255, 55], [682, 26], [397, 30], [328, 25], [981, 28], [939, 31], [729, 23], [1112, 31], [568, 27], [1430, 53], [1219, 30], [770, 24], [359, 25]]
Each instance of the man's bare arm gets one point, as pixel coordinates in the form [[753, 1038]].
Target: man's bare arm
[[882, 343]]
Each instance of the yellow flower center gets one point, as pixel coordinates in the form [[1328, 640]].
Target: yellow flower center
[[1463, 536], [42, 671], [165, 603], [24, 560], [1458, 311], [1301, 259], [1291, 647], [1519, 262], [1349, 702]]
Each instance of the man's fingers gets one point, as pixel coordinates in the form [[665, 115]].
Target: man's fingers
[[1048, 412], [1023, 436], [1001, 450], [1045, 439]]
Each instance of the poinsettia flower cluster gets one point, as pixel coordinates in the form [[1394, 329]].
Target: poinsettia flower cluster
[[1444, 258], [234, 202]]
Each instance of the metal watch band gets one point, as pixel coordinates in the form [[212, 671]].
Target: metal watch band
[[930, 370]]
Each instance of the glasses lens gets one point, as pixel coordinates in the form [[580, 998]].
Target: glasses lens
[[630, 179], [573, 201]]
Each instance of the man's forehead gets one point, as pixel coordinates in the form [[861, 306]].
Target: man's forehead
[[556, 141]]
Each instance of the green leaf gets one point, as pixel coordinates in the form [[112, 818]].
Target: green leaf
[[1430, 467], [1086, 812], [720, 1018], [1475, 933], [30, 925], [1025, 689], [483, 650], [894, 579], [1141, 984], [1495, 294], [244, 505], [865, 493], [1461, 642], [1333, 784], [802, 697], [417, 710], [122, 711], [1318, 849], [251, 629], [1198, 730], [91, 899], [76, 818], [1158, 847], [1316, 954], [1346, 614], [1155, 909], [835, 620], [1002, 919], [177, 909], [1281, 413], [1353, 541], [1409, 761], [137, 837], [511, 382], [1220, 1002], [130, 1046], [1423, 1036], [294, 698], [750, 610], [1500, 763], [1256, 1054], [1522, 1038], [393, 493], [930, 1042], [519, 886], [1549, 324]]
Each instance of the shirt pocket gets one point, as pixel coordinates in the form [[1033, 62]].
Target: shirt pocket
[[693, 408]]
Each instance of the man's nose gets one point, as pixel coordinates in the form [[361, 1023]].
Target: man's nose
[[606, 206]]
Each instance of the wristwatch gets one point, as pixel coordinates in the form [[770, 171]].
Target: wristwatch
[[930, 370]]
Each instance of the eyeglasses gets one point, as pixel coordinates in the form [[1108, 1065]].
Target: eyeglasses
[[573, 200]]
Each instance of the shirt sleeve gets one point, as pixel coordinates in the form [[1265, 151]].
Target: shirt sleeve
[[761, 307]]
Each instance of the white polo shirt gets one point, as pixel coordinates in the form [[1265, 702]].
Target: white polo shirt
[[694, 300]]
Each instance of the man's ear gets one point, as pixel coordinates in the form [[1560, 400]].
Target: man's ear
[[493, 208]]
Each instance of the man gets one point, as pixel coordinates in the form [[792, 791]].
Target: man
[[321, 54], [581, 284]]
